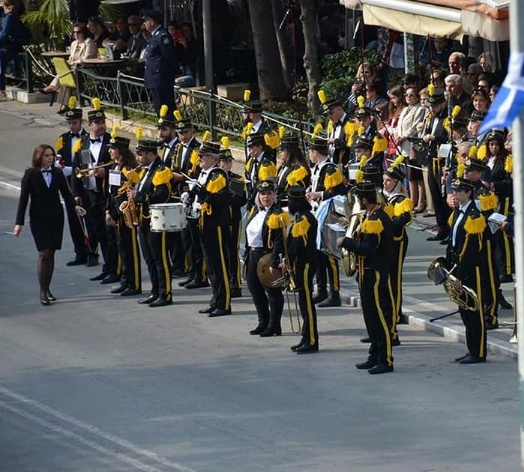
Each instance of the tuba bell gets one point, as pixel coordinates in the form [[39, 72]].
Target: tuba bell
[[464, 297], [355, 218], [267, 279]]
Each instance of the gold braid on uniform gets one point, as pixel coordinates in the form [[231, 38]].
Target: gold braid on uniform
[[473, 226]]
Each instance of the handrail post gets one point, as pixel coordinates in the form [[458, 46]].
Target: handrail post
[[212, 109], [29, 72], [123, 108]]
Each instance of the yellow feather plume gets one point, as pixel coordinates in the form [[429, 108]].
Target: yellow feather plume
[[359, 175], [281, 131], [59, 144], [96, 103], [177, 115], [360, 130], [114, 131], [349, 128], [247, 95], [72, 102], [224, 142], [317, 130], [399, 160], [456, 111], [363, 161], [361, 101], [163, 111], [322, 96], [207, 136], [460, 170], [138, 133], [267, 171], [272, 139], [472, 153], [247, 130], [431, 89]]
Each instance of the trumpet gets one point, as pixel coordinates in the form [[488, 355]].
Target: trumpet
[[81, 173]]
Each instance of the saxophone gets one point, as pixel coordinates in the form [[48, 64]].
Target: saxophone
[[355, 218], [128, 208], [464, 297]]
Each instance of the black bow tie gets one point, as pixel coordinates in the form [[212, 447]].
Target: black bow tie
[[46, 171], [97, 140], [75, 135]]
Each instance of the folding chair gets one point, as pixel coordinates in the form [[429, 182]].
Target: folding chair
[[67, 79]]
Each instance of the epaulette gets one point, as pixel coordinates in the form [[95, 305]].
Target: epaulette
[[508, 164], [450, 220], [488, 201], [59, 144], [78, 145], [277, 220], [162, 176], [372, 226], [405, 206], [389, 210], [334, 179], [297, 175], [475, 225], [267, 171], [300, 227], [132, 175], [217, 182], [194, 160]]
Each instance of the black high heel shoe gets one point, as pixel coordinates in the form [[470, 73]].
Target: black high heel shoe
[[50, 296], [44, 300]]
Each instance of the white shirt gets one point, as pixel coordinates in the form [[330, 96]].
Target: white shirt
[[462, 212], [254, 229], [144, 177], [95, 149], [316, 174], [47, 177]]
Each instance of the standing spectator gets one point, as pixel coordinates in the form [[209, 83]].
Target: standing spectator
[[480, 100], [454, 62], [44, 183], [456, 93], [98, 30], [397, 103], [160, 62], [10, 39]]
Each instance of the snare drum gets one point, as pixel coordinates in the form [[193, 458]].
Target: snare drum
[[167, 217]]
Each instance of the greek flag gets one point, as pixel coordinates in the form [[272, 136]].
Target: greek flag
[[509, 101]]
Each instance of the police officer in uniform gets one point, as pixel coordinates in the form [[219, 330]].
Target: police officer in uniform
[[326, 182], [154, 187], [65, 146], [212, 192], [161, 63], [264, 234], [373, 248], [302, 252]]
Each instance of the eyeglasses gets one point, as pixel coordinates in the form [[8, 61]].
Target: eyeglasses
[[407, 95]]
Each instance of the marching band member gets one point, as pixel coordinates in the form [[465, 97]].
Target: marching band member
[[302, 253], [238, 190], [154, 187], [91, 191], [253, 122], [294, 167], [466, 258], [399, 208], [366, 128], [373, 248], [125, 176], [186, 160], [212, 192], [258, 166], [264, 234], [326, 182], [65, 145]]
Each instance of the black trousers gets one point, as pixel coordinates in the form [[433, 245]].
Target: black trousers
[[378, 311], [233, 249], [164, 94], [269, 302], [442, 211], [130, 254], [96, 228], [155, 251], [113, 260], [215, 251], [328, 269], [490, 282], [304, 281], [177, 253], [193, 246], [399, 254], [475, 332], [505, 253], [77, 235]]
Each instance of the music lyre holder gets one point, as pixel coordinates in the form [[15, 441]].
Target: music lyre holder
[[444, 316]]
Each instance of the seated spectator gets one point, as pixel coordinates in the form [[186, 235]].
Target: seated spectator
[[437, 78], [119, 36], [190, 52], [82, 48], [464, 65], [137, 42], [10, 43], [98, 30]]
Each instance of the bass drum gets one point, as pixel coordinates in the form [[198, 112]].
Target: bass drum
[[266, 278]]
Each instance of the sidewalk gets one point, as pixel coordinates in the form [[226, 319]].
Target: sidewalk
[[417, 311]]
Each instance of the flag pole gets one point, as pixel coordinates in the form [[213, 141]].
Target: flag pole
[[516, 20]]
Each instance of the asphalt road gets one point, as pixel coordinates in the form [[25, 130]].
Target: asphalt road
[[97, 383]]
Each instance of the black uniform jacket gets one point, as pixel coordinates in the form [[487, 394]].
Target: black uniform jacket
[[214, 198], [65, 150], [238, 192], [400, 209], [373, 243], [272, 232], [330, 181], [302, 241], [156, 188], [160, 59], [190, 165]]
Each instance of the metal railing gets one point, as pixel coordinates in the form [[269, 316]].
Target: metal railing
[[205, 109], [20, 70]]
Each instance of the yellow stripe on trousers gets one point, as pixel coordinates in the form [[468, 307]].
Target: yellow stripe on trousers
[[382, 319], [336, 277], [136, 259], [491, 278], [309, 307], [165, 265], [480, 313], [224, 268]]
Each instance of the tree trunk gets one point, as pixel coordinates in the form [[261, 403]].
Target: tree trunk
[[269, 68], [311, 54], [281, 17]]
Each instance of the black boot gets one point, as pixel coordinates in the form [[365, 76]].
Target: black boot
[[333, 300], [503, 303], [320, 296]]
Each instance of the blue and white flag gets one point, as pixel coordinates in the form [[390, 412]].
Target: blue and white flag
[[509, 101]]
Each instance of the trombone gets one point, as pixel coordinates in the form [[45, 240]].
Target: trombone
[[81, 173]]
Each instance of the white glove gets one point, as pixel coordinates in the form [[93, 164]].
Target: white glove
[[185, 198], [192, 183]]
